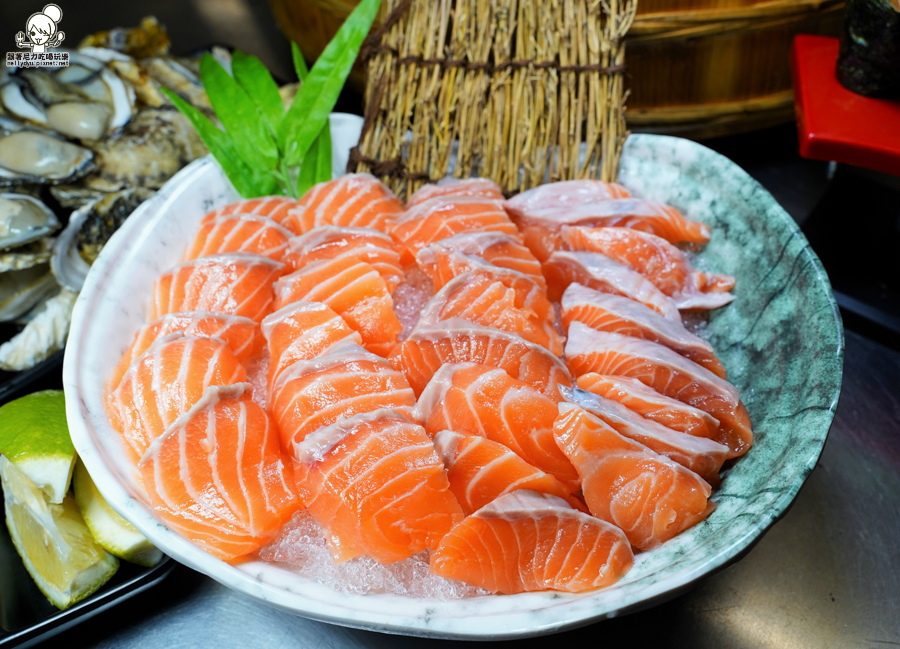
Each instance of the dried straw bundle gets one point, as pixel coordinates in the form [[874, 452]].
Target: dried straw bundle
[[530, 90]]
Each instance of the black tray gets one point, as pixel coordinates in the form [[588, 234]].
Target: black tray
[[27, 617]]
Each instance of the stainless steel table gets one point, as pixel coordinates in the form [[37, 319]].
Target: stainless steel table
[[827, 575]]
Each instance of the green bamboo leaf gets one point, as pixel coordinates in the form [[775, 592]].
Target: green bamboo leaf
[[308, 170], [238, 115], [299, 62], [248, 183], [323, 159], [260, 87], [318, 94]]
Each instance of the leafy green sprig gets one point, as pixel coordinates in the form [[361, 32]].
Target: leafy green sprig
[[262, 148]]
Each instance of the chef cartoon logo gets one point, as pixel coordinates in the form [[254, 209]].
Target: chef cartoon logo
[[41, 34]]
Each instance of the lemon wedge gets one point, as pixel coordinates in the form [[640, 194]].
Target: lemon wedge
[[56, 546]]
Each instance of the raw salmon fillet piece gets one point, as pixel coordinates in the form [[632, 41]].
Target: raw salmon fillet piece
[[657, 260], [564, 194], [650, 404], [376, 485], [658, 367], [355, 291], [481, 471], [242, 336], [302, 331], [443, 217], [353, 200], [527, 541], [599, 272], [650, 497], [237, 283], [239, 233], [621, 315], [445, 259], [164, 383], [458, 341], [541, 226], [486, 401], [478, 187], [366, 244], [276, 208], [346, 381], [501, 298], [699, 454], [217, 476]]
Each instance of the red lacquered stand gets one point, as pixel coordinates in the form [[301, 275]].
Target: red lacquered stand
[[834, 123]]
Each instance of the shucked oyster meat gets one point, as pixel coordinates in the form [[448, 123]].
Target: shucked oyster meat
[[24, 219], [32, 156]]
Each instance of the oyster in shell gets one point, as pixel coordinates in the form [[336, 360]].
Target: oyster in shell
[[31, 254], [21, 290], [32, 156], [44, 334], [24, 219], [148, 39]]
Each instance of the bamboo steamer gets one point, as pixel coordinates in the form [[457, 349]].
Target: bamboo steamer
[[696, 68]]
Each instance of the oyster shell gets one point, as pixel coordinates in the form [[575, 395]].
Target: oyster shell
[[21, 290], [31, 156], [24, 219], [31, 254], [90, 227], [44, 334], [148, 39]]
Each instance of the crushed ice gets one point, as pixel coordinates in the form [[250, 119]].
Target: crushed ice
[[410, 298], [257, 377], [301, 546]]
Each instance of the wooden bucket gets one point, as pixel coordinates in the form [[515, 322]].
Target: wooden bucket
[[696, 68]]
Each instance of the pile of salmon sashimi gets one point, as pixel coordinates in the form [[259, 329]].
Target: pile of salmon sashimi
[[505, 387]]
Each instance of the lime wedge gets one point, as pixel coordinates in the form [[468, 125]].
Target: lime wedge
[[55, 545], [110, 530], [35, 437]]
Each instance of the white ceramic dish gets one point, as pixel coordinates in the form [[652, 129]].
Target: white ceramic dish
[[755, 492]]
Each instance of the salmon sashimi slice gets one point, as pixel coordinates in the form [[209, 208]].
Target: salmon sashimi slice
[[217, 476], [376, 485], [302, 331], [242, 336], [658, 367], [239, 233], [486, 401], [657, 260], [164, 383], [701, 455], [475, 187], [237, 283], [650, 497], [353, 200], [599, 272], [527, 541], [500, 298], [346, 381], [366, 244], [650, 404], [354, 290], [481, 470], [608, 312], [277, 208], [445, 259], [442, 217], [459, 341], [564, 194], [541, 226]]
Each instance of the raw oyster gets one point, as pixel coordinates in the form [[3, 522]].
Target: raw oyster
[[44, 334], [83, 101], [31, 254], [24, 219], [151, 148], [148, 39], [90, 227], [148, 76], [31, 156], [21, 290]]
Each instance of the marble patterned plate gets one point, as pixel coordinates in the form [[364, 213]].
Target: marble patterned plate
[[781, 341]]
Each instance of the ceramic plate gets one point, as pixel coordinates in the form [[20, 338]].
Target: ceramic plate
[[781, 341]]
